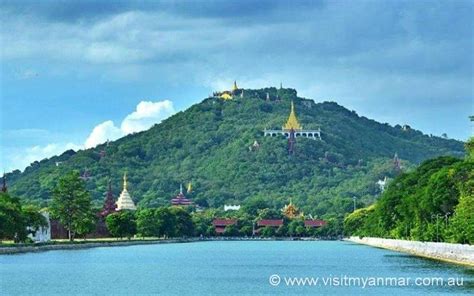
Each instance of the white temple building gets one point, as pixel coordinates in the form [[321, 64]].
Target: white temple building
[[125, 201], [231, 208]]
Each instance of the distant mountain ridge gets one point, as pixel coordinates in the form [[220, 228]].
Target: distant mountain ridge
[[209, 145]]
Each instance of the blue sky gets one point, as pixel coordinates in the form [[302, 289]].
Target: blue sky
[[74, 73]]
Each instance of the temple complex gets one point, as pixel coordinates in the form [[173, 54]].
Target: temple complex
[[293, 128], [230, 94], [109, 203], [125, 202], [180, 199]]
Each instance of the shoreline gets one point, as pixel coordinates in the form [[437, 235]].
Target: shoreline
[[77, 245], [451, 253]]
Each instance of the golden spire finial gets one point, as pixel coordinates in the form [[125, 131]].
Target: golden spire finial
[[292, 122], [234, 87], [125, 181]]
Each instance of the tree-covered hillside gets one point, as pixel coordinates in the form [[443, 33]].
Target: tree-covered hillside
[[435, 202], [208, 145]]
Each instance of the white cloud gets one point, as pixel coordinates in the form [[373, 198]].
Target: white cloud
[[145, 116], [101, 133]]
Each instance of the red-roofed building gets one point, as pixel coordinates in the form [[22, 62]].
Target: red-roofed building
[[221, 224], [180, 199], [270, 223], [314, 223]]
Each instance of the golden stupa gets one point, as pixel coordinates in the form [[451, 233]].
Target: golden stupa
[[292, 122]]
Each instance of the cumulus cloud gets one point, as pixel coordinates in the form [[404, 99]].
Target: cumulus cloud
[[145, 116], [103, 132]]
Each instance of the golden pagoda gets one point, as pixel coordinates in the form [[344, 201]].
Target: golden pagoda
[[290, 210], [292, 122], [226, 96], [229, 94]]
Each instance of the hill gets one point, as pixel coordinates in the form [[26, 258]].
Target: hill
[[208, 145]]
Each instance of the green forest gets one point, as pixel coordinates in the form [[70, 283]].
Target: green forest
[[434, 202], [208, 145]]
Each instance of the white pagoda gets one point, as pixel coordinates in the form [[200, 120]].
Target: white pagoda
[[125, 202]]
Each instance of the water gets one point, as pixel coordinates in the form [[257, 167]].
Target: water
[[221, 267]]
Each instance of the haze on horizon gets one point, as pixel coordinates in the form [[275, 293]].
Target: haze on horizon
[[75, 73]]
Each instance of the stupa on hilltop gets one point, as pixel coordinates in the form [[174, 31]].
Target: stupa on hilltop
[[124, 201], [230, 94]]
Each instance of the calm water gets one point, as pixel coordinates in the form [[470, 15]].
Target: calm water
[[231, 268]]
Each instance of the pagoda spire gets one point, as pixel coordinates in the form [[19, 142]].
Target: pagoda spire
[[4, 185], [292, 122], [125, 181], [235, 87]]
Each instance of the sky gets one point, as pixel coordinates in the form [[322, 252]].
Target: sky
[[76, 73]]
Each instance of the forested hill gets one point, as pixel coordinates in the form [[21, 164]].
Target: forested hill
[[208, 145]]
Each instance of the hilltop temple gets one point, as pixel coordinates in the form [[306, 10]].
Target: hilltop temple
[[124, 201], [229, 94], [293, 128]]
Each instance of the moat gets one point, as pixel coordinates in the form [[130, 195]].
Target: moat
[[231, 268]]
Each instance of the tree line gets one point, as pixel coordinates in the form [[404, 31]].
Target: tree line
[[434, 202]]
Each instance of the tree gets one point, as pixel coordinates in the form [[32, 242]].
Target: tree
[[461, 227], [282, 231], [12, 225], [246, 230], [231, 230], [147, 223], [121, 224], [72, 204], [166, 222], [17, 222], [300, 230], [267, 231], [184, 224]]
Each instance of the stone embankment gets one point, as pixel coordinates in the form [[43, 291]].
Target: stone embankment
[[86, 245], [454, 253]]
